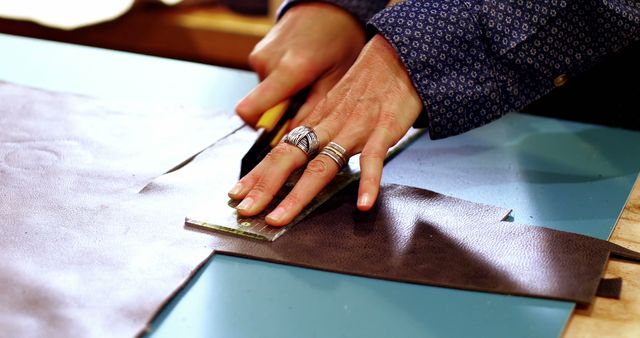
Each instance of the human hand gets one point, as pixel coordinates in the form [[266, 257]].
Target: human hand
[[367, 112], [313, 44]]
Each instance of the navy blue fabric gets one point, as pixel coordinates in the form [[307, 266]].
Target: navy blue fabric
[[473, 61], [362, 10]]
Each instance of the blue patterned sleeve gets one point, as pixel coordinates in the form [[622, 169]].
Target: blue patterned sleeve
[[363, 10], [474, 61]]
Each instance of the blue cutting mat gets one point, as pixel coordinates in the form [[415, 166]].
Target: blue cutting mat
[[559, 174], [564, 175]]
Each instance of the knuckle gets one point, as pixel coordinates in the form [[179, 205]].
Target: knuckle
[[387, 118], [359, 114], [388, 122], [298, 58], [362, 120], [257, 58], [289, 65], [250, 179], [317, 167], [334, 116], [372, 155], [369, 180], [300, 63], [292, 200], [359, 133], [279, 152], [285, 153], [312, 119], [260, 190]]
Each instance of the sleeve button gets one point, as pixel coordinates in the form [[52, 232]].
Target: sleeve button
[[560, 80]]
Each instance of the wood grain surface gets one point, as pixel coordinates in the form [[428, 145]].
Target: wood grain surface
[[206, 34], [613, 317]]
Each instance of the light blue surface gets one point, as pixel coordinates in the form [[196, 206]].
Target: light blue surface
[[119, 75], [564, 175], [236, 297]]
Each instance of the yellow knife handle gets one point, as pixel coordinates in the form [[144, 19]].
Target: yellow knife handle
[[279, 135], [270, 118]]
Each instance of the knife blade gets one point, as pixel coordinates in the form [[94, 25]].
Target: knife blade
[[272, 126]]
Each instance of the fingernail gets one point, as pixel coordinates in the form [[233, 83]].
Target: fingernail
[[364, 200], [276, 214], [245, 204], [236, 190]]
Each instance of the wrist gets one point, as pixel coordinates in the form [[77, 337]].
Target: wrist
[[362, 11], [320, 9]]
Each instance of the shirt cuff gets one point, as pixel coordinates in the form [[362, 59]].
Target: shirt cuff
[[472, 63], [360, 9], [442, 48]]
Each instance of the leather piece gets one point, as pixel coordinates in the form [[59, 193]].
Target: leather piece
[[610, 288], [413, 235], [423, 237], [85, 254], [80, 255]]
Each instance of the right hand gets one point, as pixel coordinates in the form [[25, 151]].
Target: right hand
[[313, 44]]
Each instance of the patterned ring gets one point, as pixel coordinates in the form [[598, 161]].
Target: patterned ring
[[305, 139], [337, 153]]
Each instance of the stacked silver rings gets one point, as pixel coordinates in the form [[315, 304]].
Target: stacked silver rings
[[305, 139], [336, 152]]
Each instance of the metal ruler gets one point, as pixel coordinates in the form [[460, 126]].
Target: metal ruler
[[221, 215]]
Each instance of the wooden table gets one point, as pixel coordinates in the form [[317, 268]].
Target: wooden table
[[205, 34], [612, 317]]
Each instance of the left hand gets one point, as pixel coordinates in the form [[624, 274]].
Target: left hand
[[367, 112]]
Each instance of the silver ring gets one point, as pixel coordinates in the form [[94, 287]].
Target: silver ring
[[337, 153], [305, 139]]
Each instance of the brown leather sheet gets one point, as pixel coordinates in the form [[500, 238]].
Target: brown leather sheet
[[423, 237], [86, 254], [419, 236]]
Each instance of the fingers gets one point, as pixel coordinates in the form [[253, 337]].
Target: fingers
[[319, 172], [365, 112], [371, 163], [258, 188], [322, 169]]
